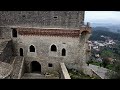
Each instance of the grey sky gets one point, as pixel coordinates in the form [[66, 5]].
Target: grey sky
[[102, 17]]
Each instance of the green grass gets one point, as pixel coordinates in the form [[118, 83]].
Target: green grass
[[79, 75], [109, 66], [96, 63]]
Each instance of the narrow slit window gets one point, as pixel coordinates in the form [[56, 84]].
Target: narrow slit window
[[14, 32], [55, 17], [21, 51], [63, 52]]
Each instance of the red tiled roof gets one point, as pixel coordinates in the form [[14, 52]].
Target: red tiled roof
[[49, 32], [53, 32]]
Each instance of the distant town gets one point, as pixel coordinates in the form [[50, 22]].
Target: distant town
[[105, 47]]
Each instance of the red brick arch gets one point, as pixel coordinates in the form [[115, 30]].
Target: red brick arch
[[87, 31]]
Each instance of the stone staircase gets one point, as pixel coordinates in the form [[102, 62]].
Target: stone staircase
[[16, 67], [37, 76], [10, 60], [100, 71]]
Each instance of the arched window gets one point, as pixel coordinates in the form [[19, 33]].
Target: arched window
[[63, 52], [14, 32], [53, 48], [32, 48]]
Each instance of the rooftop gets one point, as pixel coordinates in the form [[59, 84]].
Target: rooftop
[[53, 31]]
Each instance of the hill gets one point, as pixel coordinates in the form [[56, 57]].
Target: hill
[[99, 31], [112, 27]]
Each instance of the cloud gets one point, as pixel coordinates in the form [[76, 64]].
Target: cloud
[[102, 16]]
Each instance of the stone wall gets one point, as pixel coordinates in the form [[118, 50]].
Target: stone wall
[[75, 51], [43, 45], [74, 46], [44, 64], [60, 19], [7, 52], [5, 32], [44, 55]]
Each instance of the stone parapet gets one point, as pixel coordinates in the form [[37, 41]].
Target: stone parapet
[[64, 72]]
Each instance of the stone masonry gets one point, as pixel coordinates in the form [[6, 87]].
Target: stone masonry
[[45, 39]]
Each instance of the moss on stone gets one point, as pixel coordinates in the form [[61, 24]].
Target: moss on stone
[[74, 74]]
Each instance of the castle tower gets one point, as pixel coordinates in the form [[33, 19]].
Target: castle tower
[[54, 36]]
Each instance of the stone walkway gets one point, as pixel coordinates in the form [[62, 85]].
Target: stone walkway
[[37, 76], [100, 71], [5, 69], [16, 67]]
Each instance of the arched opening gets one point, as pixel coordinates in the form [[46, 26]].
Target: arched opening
[[32, 48], [84, 35], [63, 52], [14, 32], [53, 48], [35, 67], [21, 52]]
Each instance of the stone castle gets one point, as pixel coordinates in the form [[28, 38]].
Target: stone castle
[[42, 44]]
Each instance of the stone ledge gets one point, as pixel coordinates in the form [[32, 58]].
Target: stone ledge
[[64, 73]]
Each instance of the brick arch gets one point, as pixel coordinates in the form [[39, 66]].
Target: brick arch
[[84, 35], [85, 31]]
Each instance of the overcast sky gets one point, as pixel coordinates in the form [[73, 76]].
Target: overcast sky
[[102, 17]]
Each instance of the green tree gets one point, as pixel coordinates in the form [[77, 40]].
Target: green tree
[[116, 74], [107, 53]]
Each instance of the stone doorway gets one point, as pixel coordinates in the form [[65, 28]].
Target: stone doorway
[[35, 67], [14, 32], [21, 52]]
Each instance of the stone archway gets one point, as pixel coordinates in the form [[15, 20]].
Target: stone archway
[[21, 52], [84, 36], [35, 67]]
